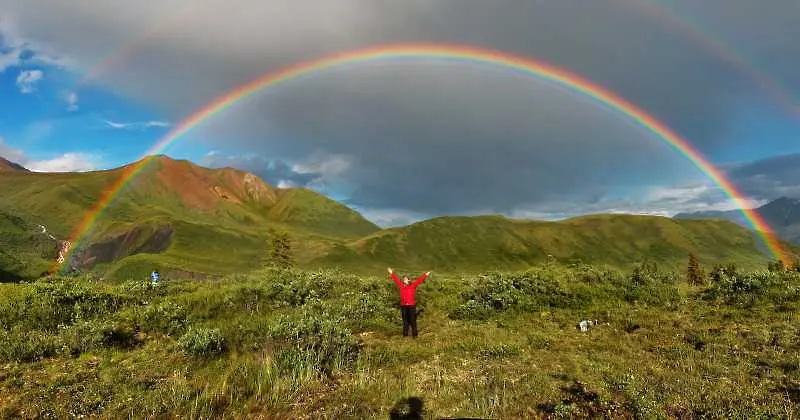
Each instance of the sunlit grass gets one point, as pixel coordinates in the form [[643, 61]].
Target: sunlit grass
[[275, 344]]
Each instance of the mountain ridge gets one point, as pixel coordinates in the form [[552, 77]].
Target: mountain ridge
[[781, 214], [7, 165], [178, 216]]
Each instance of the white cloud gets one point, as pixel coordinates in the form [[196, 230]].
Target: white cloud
[[386, 218], [10, 153], [68, 162], [286, 184], [136, 125], [72, 101], [28, 79], [666, 201]]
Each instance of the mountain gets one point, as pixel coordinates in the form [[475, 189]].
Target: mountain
[[175, 215], [486, 242], [782, 215], [181, 218], [7, 165]]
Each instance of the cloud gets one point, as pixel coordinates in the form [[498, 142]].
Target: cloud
[[276, 172], [28, 79], [10, 153], [386, 218], [72, 101], [18, 51], [67, 162], [136, 125], [767, 179], [440, 136]]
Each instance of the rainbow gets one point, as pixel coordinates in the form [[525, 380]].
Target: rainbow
[[120, 54], [768, 84], [451, 53]]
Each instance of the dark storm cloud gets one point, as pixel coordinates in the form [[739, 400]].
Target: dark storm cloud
[[768, 179], [439, 137]]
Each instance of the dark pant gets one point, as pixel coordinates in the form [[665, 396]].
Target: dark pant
[[409, 314]]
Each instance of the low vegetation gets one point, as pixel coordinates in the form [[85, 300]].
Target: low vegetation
[[285, 343]]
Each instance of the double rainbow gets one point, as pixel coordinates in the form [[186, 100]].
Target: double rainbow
[[451, 53]]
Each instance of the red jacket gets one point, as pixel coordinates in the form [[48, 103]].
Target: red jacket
[[407, 292]]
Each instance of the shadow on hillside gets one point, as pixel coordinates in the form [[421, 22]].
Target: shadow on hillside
[[412, 409], [8, 277]]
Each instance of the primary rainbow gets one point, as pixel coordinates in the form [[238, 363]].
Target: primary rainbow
[[458, 53]]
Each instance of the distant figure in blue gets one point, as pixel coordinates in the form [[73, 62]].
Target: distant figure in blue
[[154, 278]]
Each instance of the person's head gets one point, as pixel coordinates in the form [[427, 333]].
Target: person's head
[[406, 280]]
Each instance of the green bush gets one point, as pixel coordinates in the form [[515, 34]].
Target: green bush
[[26, 346], [316, 338], [48, 305], [295, 288], [747, 289], [88, 335], [369, 310], [527, 291], [166, 317], [202, 342]]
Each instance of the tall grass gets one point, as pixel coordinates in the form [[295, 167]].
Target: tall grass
[[289, 343]]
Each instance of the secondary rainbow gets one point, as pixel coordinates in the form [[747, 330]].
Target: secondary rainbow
[[769, 84], [451, 53]]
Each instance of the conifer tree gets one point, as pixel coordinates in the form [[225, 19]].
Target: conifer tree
[[694, 272], [280, 250]]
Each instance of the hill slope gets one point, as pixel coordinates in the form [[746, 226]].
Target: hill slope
[[178, 215], [26, 248], [783, 216], [7, 165], [479, 243]]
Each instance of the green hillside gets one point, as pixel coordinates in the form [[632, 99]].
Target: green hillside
[[217, 219], [489, 242], [25, 250], [182, 218]]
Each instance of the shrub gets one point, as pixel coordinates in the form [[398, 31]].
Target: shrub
[[295, 288], [372, 310], [26, 346], [46, 306], [317, 339], [746, 289], [166, 317], [202, 342], [88, 335], [528, 291]]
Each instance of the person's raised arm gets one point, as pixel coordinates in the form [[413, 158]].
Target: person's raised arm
[[421, 278], [394, 277]]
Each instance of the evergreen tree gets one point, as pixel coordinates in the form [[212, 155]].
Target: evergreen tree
[[280, 250], [694, 272]]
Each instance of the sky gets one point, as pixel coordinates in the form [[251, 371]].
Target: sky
[[91, 85]]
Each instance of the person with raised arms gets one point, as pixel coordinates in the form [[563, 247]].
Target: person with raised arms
[[408, 304]]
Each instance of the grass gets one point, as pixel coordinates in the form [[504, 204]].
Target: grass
[[328, 344]]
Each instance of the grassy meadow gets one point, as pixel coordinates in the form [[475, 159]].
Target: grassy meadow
[[295, 344]]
